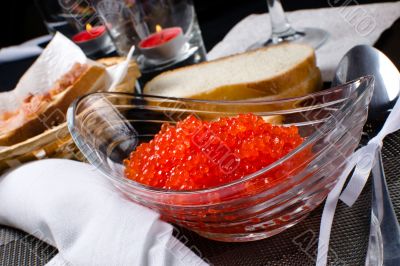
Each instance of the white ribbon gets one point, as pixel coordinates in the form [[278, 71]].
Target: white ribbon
[[362, 160]]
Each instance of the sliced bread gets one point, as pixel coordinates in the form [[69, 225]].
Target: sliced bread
[[264, 72]]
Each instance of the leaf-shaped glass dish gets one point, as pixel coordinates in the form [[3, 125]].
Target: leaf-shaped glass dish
[[108, 126]]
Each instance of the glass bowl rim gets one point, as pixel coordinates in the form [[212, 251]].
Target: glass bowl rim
[[368, 80]]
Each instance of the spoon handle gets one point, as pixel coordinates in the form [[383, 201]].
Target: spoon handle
[[384, 238]]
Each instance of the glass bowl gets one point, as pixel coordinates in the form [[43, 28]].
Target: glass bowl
[[108, 126]]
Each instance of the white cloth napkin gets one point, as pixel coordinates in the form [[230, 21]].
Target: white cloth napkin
[[24, 50], [347, 25], [73, 207]]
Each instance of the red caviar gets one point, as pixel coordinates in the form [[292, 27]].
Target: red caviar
[[198, 154]]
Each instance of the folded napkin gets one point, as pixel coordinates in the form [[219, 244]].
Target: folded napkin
[[24, 50], [348, 26], [73, 207]]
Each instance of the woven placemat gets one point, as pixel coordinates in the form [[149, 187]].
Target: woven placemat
[[295, 246]]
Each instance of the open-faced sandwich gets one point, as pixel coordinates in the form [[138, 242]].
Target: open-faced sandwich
[[33, 115], [39, 112]]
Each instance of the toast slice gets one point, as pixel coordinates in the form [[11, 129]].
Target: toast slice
[[52, 113], [275, 70]]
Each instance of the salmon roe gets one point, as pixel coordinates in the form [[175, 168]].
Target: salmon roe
[[198, 154]]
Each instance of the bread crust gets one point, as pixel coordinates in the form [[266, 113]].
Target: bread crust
[[288, 81], [54, 113], [261, 88]]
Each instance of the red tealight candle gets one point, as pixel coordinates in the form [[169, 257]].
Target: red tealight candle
[[160, 37], [93, 40], [164, 44], [89, 34]]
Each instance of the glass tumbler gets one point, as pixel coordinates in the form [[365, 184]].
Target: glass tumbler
[[79, 21], [165, 33]]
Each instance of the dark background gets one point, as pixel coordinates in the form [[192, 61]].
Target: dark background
[[20, 20]]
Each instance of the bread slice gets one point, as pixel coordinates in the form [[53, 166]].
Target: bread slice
[[264, 72], [56, 142], [92, 79]]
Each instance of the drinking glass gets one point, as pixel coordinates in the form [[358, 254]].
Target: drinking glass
[[76, 18], [133, 22], [283, 31]]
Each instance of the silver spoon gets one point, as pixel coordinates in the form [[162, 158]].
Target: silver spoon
[[384, 237]]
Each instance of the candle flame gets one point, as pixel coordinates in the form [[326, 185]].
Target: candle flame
[[158, 28], [88, 27]]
